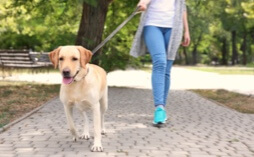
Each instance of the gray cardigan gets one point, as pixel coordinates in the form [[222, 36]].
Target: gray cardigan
[[138, 46]]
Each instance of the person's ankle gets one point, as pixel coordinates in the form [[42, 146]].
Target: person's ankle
[[160, 106]]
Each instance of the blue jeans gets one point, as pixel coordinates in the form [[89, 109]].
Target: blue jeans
[[157, 40]]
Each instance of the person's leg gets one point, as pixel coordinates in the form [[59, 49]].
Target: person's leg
[[154, 40], [167, 34], [167, 80]]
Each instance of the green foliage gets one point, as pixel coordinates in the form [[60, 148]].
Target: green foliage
[[248, 9], [211, 24], [43, 25], [116, 51], [40, 25], [91, 2]]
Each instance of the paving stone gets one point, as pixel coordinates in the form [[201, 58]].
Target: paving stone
[[196, 127], [8, 155]]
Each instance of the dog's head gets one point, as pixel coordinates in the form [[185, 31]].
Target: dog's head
[[69, 60]]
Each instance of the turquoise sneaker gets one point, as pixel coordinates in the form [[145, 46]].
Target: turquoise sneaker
[[160, 116]]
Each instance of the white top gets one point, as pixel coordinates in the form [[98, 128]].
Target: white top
[[161, 13]]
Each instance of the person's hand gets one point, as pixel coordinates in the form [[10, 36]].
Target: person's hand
[[142, 6], [186, 39]]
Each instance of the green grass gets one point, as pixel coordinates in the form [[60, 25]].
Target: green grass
[[19, 98], [251, 65], [226, 70], [236, 101], [220, 70]]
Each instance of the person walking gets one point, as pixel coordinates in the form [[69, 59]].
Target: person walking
[[161, 31]]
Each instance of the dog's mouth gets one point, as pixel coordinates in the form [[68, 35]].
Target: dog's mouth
[[68, 80]]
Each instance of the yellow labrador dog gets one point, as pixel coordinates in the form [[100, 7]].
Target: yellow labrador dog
[[84, 86]]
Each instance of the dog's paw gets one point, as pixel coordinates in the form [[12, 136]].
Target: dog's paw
[[103, 132], [97, 148], [74, 139], [74, 135], [85, 136]]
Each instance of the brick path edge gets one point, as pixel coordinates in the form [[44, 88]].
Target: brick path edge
[[7, 126]]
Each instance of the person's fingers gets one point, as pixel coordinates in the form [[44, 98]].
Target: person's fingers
[[186, 42], [142, 7]]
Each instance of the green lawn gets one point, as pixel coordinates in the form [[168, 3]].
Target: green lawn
[[19, 98], [225, 70], [236, 101]]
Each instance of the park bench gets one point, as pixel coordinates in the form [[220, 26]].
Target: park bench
[[17, 59], [11, 60]]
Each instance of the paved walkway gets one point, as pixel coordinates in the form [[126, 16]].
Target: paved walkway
[[196, 128]]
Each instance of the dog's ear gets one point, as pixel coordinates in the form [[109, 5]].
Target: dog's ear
[[53, 56], [85, 56]]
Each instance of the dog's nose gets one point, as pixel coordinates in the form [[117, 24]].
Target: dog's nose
[[66, 73]]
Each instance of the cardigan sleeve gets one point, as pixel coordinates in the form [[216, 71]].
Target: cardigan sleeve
[[184, 6]]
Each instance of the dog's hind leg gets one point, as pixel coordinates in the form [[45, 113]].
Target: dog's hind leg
[[85, 134], [69, 116], [104, 107]]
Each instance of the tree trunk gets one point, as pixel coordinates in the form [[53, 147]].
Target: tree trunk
[[224, 51], [234, 49], [194, 51], [186, 56], [92, 25], [244, 48], [194, 55]]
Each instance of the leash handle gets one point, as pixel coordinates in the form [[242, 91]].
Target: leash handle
[[116, 30]]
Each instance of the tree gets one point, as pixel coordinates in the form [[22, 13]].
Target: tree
[[40, 25], [236, 21], [92, 24], [232, 18], [218, 29], [199, 22], [248, 9], [248, 36], [116, 52]]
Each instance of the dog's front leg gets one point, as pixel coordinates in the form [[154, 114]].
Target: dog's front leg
[[69, 116], [85, 134], [97, 147]]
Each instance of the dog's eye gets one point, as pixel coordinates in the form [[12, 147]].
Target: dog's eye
[[61, 59], [74, 59]]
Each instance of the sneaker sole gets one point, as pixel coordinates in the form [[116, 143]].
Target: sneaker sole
[[159, 122], [159, 125]]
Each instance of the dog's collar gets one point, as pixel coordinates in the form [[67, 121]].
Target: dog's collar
[[78, 73]]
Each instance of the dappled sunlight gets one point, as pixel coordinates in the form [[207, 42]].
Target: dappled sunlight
[[33, 133], [46, 78], [181, 78], [185, 78], [114, 127], [129, 78]]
